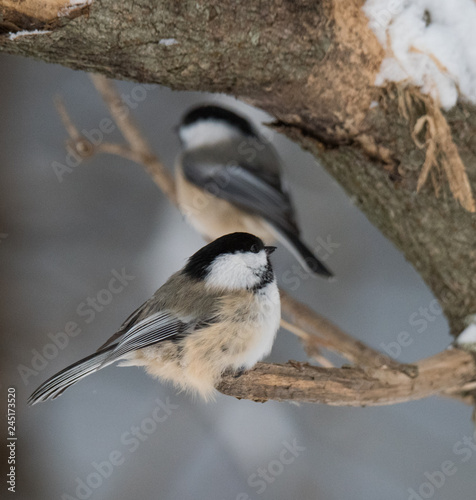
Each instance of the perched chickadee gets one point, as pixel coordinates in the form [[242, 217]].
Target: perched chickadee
[[228, 179], [221, 311]]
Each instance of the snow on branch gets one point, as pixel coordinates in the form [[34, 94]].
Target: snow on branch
[[429, 43]]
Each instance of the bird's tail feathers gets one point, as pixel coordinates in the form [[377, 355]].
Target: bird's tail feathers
[[303, 254], [58, 383]]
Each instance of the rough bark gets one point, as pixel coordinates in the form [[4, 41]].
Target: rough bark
[[312, 65]]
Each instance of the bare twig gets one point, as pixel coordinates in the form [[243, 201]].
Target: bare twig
[[77, 141], [70, 127], [312, 343], [134, 137], [336, 339], [119, 150]]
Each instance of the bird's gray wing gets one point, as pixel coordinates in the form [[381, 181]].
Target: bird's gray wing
[[158, 327], [243, 185], [128, 323], [155, 313]]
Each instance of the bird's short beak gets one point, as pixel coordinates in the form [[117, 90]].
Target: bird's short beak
[[269, 250]]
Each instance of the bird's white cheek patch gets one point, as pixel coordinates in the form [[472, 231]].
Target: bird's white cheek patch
[[237, 271], [206, 133]]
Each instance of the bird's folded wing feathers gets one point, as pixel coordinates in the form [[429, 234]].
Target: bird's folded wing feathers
[[126, 325], [155, 328], [241, 186]]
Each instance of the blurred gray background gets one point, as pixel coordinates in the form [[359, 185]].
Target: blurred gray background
[[60, 243]]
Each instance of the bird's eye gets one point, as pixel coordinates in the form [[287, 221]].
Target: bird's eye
[[254, 248]]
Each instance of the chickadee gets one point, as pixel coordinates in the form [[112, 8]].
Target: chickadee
[[220, 311], [228, 179]]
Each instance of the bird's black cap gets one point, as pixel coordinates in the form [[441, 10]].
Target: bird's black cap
[[198, 264], [211, 112]]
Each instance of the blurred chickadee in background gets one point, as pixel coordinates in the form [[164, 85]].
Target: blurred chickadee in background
[[220, 311], [228, 179]]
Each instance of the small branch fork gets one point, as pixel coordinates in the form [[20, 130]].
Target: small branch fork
[[375, 379]]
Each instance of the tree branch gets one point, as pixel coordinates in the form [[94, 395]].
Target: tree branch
[[447, 372]]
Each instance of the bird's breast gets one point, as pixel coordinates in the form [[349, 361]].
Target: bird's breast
[[251, 330]]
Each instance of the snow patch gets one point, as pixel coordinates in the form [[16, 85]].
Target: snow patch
[[467, 336], [73, 5], [429, 43], [12, 36], [168, 41]]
